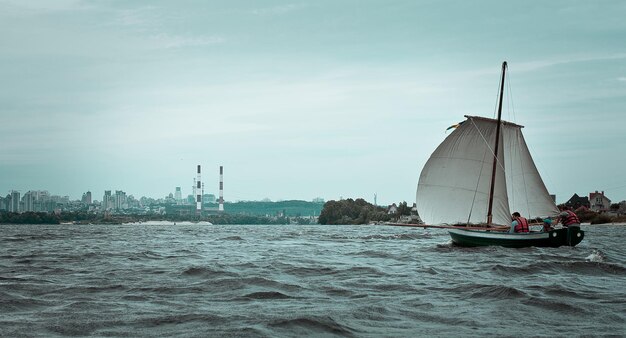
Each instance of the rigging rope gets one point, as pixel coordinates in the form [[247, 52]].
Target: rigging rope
[[495, 107], [488, 147], [510, 103]]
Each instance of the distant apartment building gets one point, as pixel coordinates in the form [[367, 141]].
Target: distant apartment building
[[599, 202], [5, 202], [39, 201], [29, 201], [120, 200], [86, 198], [107, 200], [43, 200], [14, 202], [178, 196]]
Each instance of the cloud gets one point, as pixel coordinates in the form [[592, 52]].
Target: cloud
[[277, 10], [534, 65], [168, 41], [621, 79], [530, 66], [136, 17], [33, 7]]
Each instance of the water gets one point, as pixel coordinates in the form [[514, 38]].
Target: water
[[141, 280]]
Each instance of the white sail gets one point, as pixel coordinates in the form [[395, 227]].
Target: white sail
[[527, 193], [454, 184]]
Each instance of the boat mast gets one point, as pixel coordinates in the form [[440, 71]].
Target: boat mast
[[495, 154]]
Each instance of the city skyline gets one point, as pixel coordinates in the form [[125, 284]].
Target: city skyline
[[299, 100], [209, 197]]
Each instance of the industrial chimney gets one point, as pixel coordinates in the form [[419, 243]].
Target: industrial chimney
[[221, 207], [198, 192]]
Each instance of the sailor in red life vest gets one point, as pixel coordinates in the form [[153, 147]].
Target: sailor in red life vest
[[519, 224], [568, 218]]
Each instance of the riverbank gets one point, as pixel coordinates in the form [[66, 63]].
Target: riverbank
[[95, 218]]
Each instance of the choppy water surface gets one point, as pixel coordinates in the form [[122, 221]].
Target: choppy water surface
[[263, 280]]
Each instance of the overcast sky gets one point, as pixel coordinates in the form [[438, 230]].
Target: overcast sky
[[299, 100]]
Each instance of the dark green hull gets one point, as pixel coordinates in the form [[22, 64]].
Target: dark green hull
[[555, 238]]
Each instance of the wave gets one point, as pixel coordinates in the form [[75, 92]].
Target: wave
[[29, 237], [472, 290], [386, 287], [95, 289], [14, 239], [10, 302], [267, 295], [430, 271], [361, 271], [228, 284], [175, 319], [596, 256], [495, 291], [24, 261], [552, 305], [307, 271], [563, 292], [446, 245], [431, 317], [313, 325], [579, 267], [231, 238], [392, 237], [207, 272], [371, 313], [172, 290], [412, 236], [373, 253], [355, 271], [337, 292], [168, 223], [269, 283], [136, 298], [146, 255]]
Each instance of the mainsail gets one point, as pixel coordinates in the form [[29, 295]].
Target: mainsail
[[454, 184]]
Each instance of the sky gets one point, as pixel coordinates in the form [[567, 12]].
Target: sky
[[305, 99]]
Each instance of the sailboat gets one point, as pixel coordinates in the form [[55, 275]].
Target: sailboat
[[477, 176]]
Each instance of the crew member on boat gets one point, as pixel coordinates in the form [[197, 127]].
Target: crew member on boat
[[519, 224], [568, 218], [547, 224]]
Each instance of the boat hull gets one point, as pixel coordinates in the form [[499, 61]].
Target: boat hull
[[554, 238]]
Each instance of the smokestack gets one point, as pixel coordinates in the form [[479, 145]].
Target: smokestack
[[198, 192], [221, 207]]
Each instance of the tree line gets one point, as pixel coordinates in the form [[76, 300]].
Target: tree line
[[359, 211], [82, 217]]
